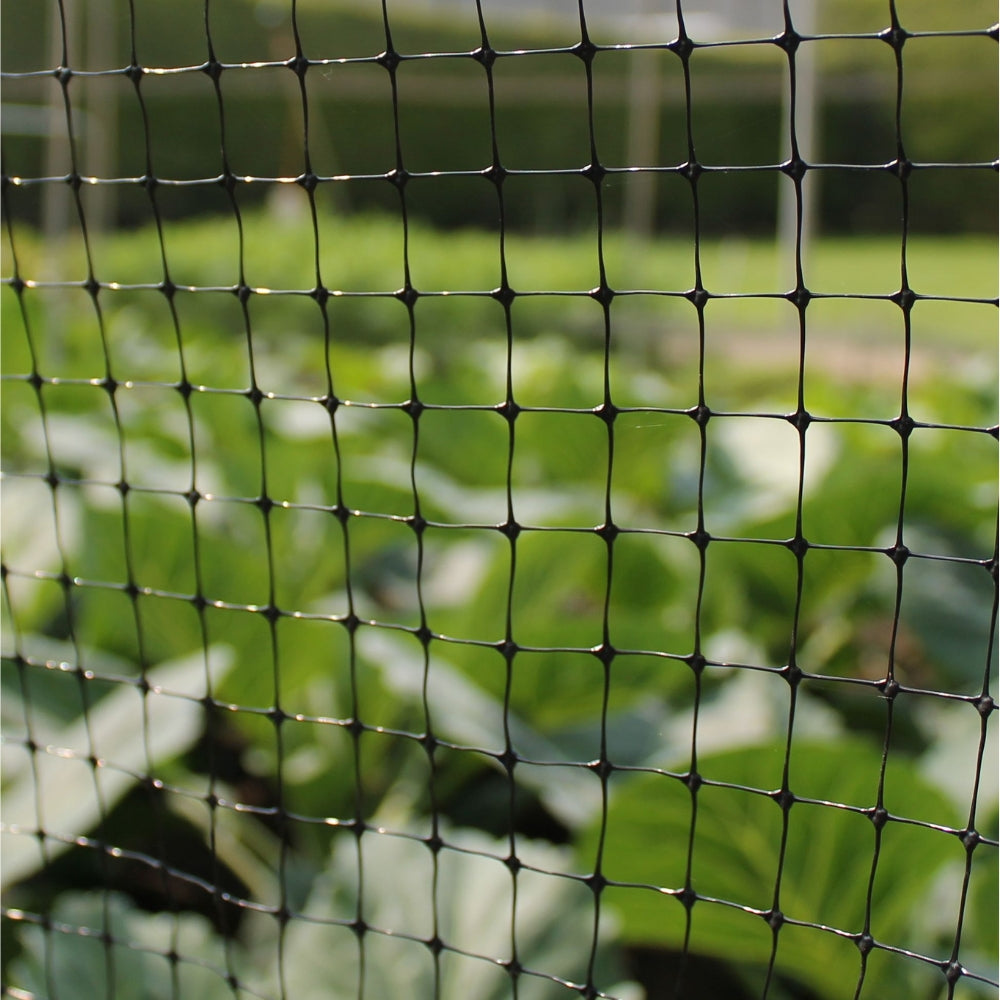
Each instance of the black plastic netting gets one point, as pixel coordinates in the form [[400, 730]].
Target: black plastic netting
[[452, 547]]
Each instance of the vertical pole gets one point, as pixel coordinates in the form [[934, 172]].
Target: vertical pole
[[55, 199], [806, 131], [101, 102], [643, 142]]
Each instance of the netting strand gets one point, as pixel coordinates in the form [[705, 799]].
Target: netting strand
[[453, 547]]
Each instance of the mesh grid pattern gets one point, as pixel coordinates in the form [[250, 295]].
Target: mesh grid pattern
[[353, 565]]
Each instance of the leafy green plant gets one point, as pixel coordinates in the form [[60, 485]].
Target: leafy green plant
[[825, 867], [559, 710], [464, 896]]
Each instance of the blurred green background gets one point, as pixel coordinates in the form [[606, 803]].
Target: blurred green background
[[240, 748]]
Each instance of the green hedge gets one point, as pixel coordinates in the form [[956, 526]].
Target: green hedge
[[949, 115]]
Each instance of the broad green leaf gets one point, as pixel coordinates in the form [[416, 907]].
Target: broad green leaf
[[471, 898], [128, 734], [465, 714], [73, 957], [247, 850], [824, 874]]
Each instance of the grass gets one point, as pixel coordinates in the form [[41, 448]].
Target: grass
[[854, 338], [364, 253]]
